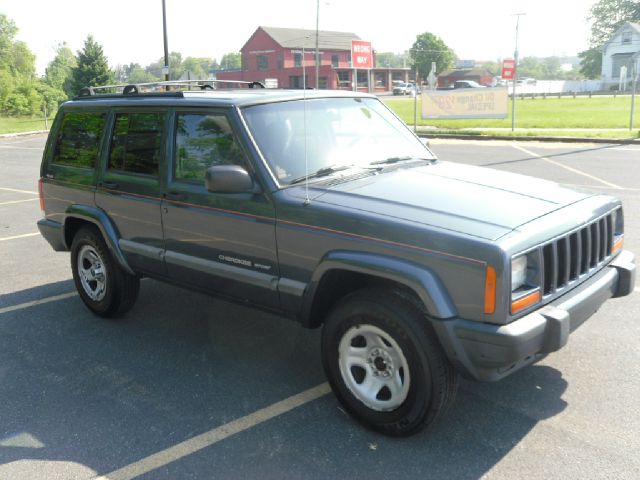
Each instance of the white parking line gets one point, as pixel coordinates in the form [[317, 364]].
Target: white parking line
[[15, 237], [566, 167], [19, 201], [625, 149], [6, 189], [11, 147], [33, 303], [215, 435]]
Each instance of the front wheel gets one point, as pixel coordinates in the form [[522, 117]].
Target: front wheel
[[103, 286], [384, 362]]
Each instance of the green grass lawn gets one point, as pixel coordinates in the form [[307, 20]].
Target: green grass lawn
[[550, 113], [21, 124]]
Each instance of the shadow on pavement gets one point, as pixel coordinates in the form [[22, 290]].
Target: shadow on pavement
[[103, 394]]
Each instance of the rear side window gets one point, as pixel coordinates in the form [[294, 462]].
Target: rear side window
[[136, 143], [202, 141], [79, 139]]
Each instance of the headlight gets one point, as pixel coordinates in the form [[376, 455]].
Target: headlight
[[518, 272], [618, 231], [525, 281]]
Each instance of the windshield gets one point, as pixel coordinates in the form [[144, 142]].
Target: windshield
[[340, 132]]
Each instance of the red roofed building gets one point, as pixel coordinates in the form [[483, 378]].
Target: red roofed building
[[275, 56]]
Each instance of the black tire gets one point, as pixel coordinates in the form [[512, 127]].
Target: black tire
[[379, 331], [104, 287]]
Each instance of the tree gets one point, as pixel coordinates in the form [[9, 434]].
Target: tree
[[92, 68], [176, 69], [8, 31], [429, 48], [390, 60], [199, 68], [58, 74], [591, 62], [494, 68], [18, 92], [608, 15], [231, 61]]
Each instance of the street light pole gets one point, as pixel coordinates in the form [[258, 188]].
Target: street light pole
[[515, 77], [166, 45]]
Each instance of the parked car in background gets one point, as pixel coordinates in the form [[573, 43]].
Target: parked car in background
[[406, 89], [467, 84]]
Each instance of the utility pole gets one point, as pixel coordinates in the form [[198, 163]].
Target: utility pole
[[317, 42], [633, 93], [165, 69], [515, 77]]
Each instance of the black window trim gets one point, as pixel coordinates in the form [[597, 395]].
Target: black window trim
[[223, 111], [57, 128], [111, 121]]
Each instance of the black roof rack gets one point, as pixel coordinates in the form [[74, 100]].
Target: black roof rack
[[171, 88]]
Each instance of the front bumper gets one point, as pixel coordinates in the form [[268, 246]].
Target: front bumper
[[490, 352]]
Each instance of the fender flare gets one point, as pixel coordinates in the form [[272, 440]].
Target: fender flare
[[423, 281], [101, 220]]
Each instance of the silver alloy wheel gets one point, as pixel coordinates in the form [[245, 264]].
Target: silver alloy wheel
[[92, 273], [374, 368]]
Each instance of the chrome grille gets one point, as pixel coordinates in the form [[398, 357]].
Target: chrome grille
[[567, 258]]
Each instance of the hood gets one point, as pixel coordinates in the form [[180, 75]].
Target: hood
[[476, 201]]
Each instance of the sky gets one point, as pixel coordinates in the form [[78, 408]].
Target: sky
[[131, 30]]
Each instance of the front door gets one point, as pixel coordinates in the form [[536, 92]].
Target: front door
[[223, 242]]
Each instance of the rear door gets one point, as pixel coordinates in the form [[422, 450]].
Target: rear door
[[130, 185], [222, 242]]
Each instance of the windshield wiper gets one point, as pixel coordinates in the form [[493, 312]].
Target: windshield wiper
[[323, 172], [405, 158]]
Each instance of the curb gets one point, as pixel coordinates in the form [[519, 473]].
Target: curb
[[22, 134], [618, 141]]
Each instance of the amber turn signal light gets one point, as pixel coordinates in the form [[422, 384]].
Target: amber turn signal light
[[526, 301], [617, 245], [490, 291]]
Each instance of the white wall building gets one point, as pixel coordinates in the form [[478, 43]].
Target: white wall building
[[622, 49]]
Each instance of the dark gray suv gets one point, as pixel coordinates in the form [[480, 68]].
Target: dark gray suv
[[324, 207]]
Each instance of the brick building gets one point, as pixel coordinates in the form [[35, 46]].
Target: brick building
[[479, 75], [275, 55]]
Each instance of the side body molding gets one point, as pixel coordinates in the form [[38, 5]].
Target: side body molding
[[101, 220], [425, 283]]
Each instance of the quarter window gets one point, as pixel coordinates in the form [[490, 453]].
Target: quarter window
[[79, 139], [202, 141], [136, 143]]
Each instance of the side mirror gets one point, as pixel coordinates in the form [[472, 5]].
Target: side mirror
[[425, 141], [228, 179]]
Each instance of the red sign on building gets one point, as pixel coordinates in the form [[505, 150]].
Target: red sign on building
[[361, 54], [508, 69]]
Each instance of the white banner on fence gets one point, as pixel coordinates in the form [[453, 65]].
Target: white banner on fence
[[465, 103]]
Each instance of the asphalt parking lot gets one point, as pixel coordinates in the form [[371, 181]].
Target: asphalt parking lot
[[189, 387]]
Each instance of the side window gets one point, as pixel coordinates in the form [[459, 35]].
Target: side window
[[204, 140], [79, 139], [136, 143]]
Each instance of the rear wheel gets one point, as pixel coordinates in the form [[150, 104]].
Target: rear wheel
[[101, 283], [385, 364]]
